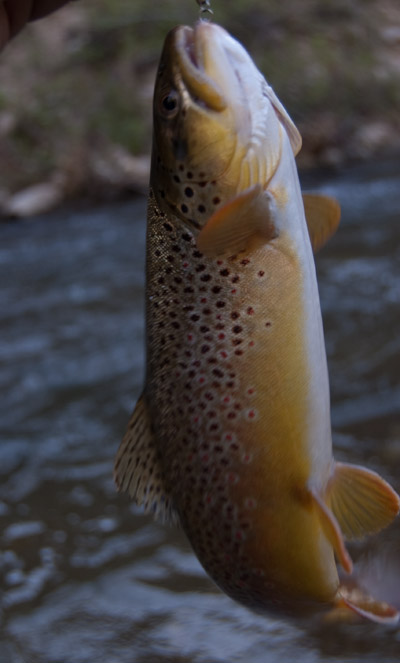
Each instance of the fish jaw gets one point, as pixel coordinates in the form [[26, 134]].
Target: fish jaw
[[216, 69], [222, 59], [223, 130], [191, 52]]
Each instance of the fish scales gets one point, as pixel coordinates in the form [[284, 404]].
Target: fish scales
[[207, 320], [232, 434]]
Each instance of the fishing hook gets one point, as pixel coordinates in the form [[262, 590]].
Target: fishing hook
[[205, 7]]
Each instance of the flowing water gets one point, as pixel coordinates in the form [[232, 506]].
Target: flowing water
[[84, 576]]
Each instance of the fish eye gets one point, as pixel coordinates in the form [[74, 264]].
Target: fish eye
[[169, 103]]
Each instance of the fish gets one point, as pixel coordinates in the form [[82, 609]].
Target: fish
[[231, 437]]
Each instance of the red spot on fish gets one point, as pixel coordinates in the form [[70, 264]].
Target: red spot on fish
[[261, 273], [250, 311], [232, 478], [227, 399], [251, 414], [251, 344], [250, 391], [201, 379], [221, 336], [185, 264], [233, 291], [228, 437], [203, 300], [190, 337]]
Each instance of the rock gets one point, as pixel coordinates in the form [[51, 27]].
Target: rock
[[115, 166], [371, 137], [391, 35], [36, 199], [8, 123]]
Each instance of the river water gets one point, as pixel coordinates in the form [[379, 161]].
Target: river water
[[86, 577]]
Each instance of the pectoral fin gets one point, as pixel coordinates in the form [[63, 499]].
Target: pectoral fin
[[137, 467], [362, 502], [246, 218], [322, 216], [331, 529]]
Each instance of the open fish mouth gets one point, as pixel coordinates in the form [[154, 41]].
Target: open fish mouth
[[191, 49]]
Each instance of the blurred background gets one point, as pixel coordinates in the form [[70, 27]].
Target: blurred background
[[76, 87], [84, 576]]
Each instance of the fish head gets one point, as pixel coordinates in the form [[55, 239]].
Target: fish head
[[215, 130]]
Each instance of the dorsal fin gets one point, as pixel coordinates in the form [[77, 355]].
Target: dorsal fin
[[363, 502], [248, 216], [322, 216], [284, 117], [137, 468]]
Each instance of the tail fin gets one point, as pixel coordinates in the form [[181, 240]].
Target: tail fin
[[366, 606]]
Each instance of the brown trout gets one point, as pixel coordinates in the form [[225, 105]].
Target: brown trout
[[232, 435]]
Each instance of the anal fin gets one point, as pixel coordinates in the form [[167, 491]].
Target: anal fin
[[362, 502], [247, 217], [137, 467]]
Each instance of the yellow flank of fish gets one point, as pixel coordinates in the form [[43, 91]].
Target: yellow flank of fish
[[232, 436]]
